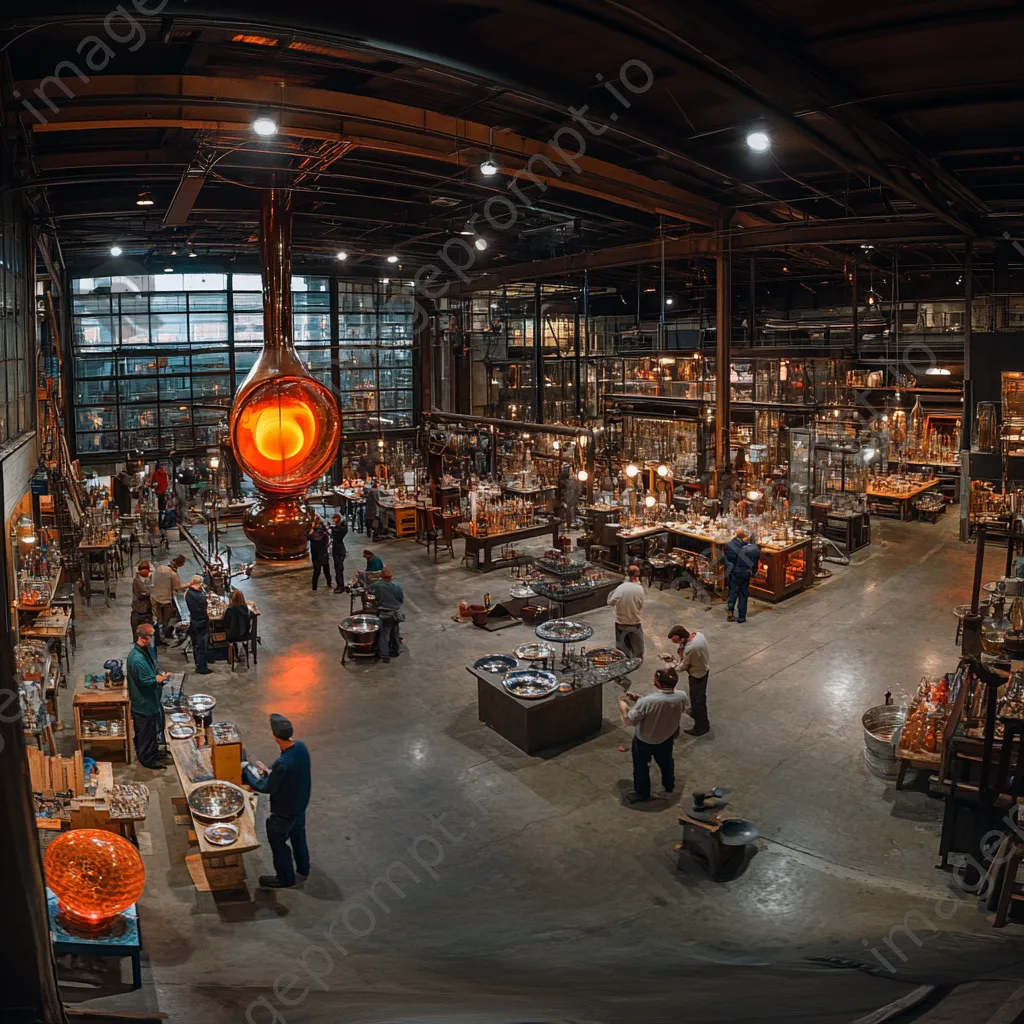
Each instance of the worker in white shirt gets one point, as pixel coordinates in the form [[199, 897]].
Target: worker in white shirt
[[628, 601], [655, 721], [693, 658]]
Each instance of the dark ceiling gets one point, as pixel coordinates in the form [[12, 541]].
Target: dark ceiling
[[892, 124]]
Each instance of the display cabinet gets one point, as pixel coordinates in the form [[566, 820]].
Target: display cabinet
[[801, 469]]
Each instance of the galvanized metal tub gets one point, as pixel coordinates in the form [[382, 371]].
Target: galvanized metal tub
[[881, 728]]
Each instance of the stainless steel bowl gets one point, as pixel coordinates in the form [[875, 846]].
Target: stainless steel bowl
[[603, 657], [738, 832], [201, 703], [180, 718], [495, 663], [564, 631], [181, 731], [534, 652], [881, 724], [531, 683], [360, 629], [223, 834], [217, 801]]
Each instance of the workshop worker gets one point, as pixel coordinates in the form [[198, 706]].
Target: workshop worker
[[145, 686], [655, 721], [237, 618], [389, 597], [741, 558], [142, 598], [372, 496], [288, 783], [373, 562], [199, 624], [694, 658], [318, 540], [159, 482], [628, 601], [166, 583], [339, 530]]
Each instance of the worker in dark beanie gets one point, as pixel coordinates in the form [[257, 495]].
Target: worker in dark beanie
[[288, 784]]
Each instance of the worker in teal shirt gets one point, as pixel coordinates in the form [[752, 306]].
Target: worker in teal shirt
[[145, 685], [373, 562]]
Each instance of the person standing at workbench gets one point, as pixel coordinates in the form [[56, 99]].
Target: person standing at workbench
[[199, 624], [289, 783], [142, 598], [389, 597], [628, 601], [145, 684], [318, 539], [166, 583], [338, 532]]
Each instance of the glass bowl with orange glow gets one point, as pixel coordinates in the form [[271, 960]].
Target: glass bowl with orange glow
[[95, 875], [286, 432]]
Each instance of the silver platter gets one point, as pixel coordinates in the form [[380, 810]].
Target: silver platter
[[531, 683], [202, 702], [564, 631], [181, 732], [217, 801], [180, 718], [534, 652], [604, 657], [495, 663], [223, 834]]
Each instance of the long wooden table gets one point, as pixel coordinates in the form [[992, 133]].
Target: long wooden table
[[215, 867], [897, 503], [552, 721], [476, 545]]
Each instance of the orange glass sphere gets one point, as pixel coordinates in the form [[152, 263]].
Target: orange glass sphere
[[96, 875], [285, 433]]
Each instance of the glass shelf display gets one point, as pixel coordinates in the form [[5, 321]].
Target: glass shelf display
[[1013, 412]]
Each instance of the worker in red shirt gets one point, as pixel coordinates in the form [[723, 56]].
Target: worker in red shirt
[[159, 482]]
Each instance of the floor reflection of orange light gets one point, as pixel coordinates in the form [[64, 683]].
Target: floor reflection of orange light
[[295, 681]]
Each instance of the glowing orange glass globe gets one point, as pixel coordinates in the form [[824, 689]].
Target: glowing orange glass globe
[[95, 875]]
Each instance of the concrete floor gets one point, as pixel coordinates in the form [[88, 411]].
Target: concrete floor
[[539, 895]]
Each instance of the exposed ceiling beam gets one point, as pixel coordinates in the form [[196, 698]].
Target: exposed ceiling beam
[[134, 102], [781, 236]]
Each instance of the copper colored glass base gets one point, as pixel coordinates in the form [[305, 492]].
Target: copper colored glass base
[[279, 527]]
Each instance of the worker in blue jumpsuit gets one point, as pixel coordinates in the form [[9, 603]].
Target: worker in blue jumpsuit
[[288, 784]]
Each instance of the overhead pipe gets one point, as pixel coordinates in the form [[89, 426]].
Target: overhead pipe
[[520, 425]]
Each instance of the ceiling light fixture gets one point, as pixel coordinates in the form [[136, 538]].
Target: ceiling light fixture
[[145, 199], [481, 243], [754, 495], [192, 254], [116, 250], [650, 501], [668, 302], [385, 280], [392, 258], [663, 470], [342, 256], [632, 470], [173, 252], [264, 126], [759, 142], [937, 371], [168, 270], [583, 476], [489, 167]]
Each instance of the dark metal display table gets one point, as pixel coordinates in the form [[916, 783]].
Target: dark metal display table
[[477, 545], [584, 600], [556, 720], [850, 529]]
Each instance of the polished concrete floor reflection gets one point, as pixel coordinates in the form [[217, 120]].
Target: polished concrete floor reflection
[[456, 878]]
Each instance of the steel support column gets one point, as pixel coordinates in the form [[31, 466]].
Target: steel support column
[[723, 335], [968, 414], [538, 355]]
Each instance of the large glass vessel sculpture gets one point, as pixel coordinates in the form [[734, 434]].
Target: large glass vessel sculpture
[[285, 425]]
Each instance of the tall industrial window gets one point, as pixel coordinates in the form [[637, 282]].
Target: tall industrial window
[[17, 389], [158, 358], [375, 322]]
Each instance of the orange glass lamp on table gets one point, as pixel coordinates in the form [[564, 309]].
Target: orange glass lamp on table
[[285, 425]]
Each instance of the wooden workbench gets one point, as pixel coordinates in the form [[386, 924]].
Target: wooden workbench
[[897, 503], [485, 545], [103, 549], [214, 868], [113, 703]]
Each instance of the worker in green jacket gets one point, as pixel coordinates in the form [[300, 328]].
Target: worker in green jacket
[[145, 685]]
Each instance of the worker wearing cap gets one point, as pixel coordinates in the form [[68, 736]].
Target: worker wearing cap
[[288, 783], [166, 583], [390, 598], [628, 601]]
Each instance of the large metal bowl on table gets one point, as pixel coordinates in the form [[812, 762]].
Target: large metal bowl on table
[[564, 631], [360, 629], [530, 683], [495, 663], [881, 725], [217, 801]]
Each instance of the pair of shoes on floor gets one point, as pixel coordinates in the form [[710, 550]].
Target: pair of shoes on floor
[[157, 766], [204, 671], [697, 732], [273, 882]]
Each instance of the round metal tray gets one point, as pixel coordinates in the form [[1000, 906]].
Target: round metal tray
[[602, 657], [564, 631], [495, 663], [217, 801], [181, 731], [202, 703], [223, 834], [534, 652], [180, 718], [530, 683]]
